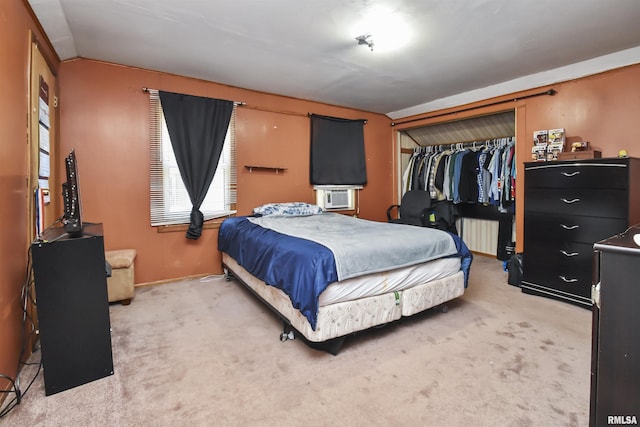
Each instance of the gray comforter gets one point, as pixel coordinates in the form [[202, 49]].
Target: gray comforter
[[360, 246]]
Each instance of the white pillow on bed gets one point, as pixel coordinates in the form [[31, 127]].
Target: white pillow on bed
[[289, 209]]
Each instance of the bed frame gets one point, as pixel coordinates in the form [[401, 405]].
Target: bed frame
[[338, 320]]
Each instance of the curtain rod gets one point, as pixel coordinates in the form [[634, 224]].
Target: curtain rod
[[549, 92], [290, 113], [365, 121], [268, 110], [238, 103]]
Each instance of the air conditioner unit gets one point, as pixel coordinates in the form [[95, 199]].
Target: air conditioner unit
[[336, 199]]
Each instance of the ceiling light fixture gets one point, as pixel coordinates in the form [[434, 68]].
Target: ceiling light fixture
[[391, 28], [365, 39]]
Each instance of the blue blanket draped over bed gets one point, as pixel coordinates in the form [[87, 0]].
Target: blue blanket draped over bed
[[303, 268]]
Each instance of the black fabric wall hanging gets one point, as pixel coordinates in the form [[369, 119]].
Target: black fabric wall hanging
[[337, 151], [197, 127]]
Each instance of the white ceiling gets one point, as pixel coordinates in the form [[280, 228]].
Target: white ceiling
[[460, 50]]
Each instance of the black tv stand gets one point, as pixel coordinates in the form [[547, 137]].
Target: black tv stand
[[73, 307], [89, 229]]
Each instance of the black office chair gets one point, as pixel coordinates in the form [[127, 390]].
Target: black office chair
[[414, 209]]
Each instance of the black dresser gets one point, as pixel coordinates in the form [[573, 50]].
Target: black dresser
[[568, 206], [615, 356]]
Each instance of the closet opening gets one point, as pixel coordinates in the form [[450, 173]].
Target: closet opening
[[481, 187]]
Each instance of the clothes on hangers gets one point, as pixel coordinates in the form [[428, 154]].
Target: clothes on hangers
[[478, 172]]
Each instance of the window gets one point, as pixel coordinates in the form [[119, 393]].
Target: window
[[170, 203]]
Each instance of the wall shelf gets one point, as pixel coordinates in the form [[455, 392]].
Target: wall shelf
[[275, 169]]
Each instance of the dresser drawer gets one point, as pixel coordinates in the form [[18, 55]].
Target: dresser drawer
[[599, 202], [566, 257], [560, 287], [577, 175], [565, 267], [571, 228]]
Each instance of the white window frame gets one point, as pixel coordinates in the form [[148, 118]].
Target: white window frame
[[169, 201]]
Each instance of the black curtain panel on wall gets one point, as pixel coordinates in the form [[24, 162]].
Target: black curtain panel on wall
[[197, 127], [337, 151]]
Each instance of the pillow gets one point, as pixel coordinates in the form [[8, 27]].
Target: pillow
[[289, 209]]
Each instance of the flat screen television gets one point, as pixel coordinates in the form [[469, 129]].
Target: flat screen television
[[72, 217]]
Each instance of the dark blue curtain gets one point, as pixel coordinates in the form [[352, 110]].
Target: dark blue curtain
[[197, 127], [337, 151]]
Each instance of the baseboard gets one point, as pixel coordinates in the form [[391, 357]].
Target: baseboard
[[177, 279]]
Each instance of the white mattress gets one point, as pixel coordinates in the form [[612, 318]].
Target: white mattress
[[339, 319], [388, 281]]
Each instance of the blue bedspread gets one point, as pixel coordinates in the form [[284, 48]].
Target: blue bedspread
[[300, 267]]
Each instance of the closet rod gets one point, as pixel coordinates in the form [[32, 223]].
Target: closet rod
[[477, 141], [462, 145], [549, 92]]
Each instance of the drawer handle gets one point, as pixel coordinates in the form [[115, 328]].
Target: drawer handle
[[570, 201], [569, 227], [568, 280], [570, 254], [570, 174]]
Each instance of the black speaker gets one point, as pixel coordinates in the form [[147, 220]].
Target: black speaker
[[73, 308]]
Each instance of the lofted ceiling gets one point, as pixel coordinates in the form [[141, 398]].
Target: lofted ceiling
[[454, 52]]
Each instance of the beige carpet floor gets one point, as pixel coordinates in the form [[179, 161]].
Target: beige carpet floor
[[205, 352]]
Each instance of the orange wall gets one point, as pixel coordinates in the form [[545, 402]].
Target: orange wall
[[15, 24], [603, 109], [104, 115]]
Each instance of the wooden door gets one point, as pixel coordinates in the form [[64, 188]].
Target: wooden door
[[41, 147], [43, 132]]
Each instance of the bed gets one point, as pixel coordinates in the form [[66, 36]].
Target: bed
[[329, 275]]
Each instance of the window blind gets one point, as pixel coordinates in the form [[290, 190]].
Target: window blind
[[169, 201]]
